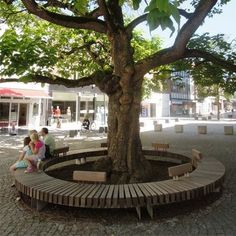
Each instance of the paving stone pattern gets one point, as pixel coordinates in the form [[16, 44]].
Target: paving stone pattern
[[201, 217]]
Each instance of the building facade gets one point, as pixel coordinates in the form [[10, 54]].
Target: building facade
[[23, 104]]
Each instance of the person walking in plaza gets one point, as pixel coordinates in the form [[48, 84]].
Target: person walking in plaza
[[22, 163], [38, 148], [49, 141]]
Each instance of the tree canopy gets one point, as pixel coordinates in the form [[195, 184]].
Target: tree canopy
[[90, 23]]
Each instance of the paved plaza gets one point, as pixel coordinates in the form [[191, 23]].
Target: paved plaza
[[216, 215]]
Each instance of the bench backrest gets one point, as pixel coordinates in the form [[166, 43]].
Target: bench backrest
[[180, 169], [160, 146], [90, 176], [61, 150], [196, 157], [103, 144]]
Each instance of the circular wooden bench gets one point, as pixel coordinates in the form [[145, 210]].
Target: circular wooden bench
[[42, 188]]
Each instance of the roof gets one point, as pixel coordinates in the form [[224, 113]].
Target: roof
[[13, 92]]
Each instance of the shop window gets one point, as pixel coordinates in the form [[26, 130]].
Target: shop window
[[4, 111], [82, 105]]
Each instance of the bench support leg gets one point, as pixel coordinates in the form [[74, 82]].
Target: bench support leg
[[138, 210], [37, 204], [150, 210]]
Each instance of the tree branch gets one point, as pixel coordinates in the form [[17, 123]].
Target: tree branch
[[135, 22], [177, 51], [64, 20], [184, 13], [106, 14], [210, 57], [94, 78], [163, 57], [188, 29]]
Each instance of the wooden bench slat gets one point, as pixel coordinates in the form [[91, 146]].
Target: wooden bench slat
[[91, 195], [103, 196], [115, 196], [84, 196], [133, 195], [166, 194], [66, 196], [97, 195], [60, 195], [78, 196], [158, 193], [139, 194], [80, 188], [174, 194], [127, 196], [109, 196], [154, 199]]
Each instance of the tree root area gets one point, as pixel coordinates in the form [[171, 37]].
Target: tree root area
[[159, 171]]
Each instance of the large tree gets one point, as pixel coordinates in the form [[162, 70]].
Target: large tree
[[121, 78]]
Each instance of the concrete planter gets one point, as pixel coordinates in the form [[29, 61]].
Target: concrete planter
[[158, 127], [229, 130], [179, 128], [202, 129]]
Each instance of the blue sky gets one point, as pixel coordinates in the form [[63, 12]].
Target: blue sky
[[220, 23]]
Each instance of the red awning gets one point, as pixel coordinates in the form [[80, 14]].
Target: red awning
[[12, 92]]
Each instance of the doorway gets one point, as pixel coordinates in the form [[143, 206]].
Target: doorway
[[22, 115]]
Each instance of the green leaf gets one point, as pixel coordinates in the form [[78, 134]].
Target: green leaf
[[81, 6], [136, 4], [162, 5]]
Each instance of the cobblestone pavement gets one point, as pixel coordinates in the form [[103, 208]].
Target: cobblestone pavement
[[215, 215]]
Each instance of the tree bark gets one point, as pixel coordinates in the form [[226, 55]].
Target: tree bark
[[124, 143]]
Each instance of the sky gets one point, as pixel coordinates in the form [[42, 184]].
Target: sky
[[220, 23]]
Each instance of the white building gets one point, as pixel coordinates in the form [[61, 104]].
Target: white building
[[23, 104]]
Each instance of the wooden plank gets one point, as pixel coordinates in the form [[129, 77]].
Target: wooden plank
[[37, 189], [51, 194], [160, 188], [97, 195], [90, 176], [115, 196], [80, 194], [182, 191], [60, 194], [196, 157], [61, 150], [103, 144], [102, 198], [91, 195], [110, 195], [180, 169], [121, 200], [174, 194], [140, 195], [83, 199], [127, 196], [33, 189], [160, 195], [153, 195], [79, 189], [133, 195], [160, 146], [68, 194]]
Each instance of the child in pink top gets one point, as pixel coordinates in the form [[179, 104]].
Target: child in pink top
[[38, 149]]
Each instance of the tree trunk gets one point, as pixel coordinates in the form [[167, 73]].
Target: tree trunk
[[124, 144]]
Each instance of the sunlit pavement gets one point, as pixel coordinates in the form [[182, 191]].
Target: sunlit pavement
[[215, 218]]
